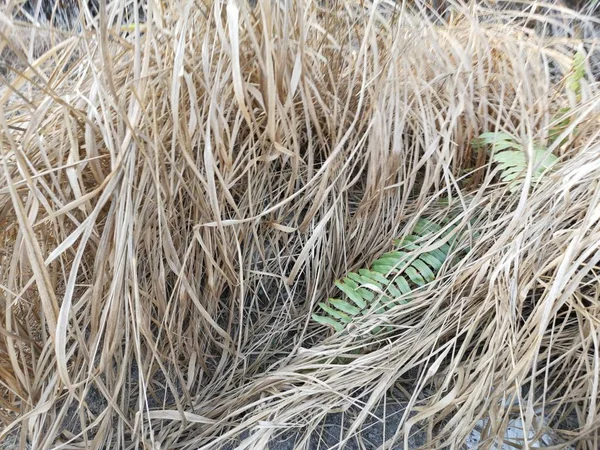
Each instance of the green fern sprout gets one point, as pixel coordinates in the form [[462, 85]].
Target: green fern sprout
[[390, 280], [398, 273], [561, 122], [577, 74], [511, 158], [562, 119]]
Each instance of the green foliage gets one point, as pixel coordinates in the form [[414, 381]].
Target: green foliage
[[396, 274], [560, 123], [511, 158], [577, 73], [390, 280], [562, 119]]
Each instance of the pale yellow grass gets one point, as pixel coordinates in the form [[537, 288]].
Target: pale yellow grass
[[175, 199]]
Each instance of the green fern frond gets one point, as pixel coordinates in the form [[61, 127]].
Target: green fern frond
[[497, 140], [562, 119], [560, 123], [390, 280], [510, 157], [577, 73]]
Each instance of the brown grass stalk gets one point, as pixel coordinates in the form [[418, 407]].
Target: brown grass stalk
[[176, 196]]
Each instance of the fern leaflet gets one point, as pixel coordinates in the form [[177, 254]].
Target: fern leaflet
[[510, 157], [389, 281]]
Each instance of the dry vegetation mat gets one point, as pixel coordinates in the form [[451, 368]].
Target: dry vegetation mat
[[224, 221]]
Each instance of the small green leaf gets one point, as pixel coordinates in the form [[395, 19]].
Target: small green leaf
[[373, 276], [504, 167], [328, 321], [364, 281], [350, 283], [503, 145], [394, 290], [388, 261], [424, 270], [396, 254], [402, 285], [424, 227], [365, 293], [577, 73], [511, 157], [432, 261], [335, 313], [441, 253], [415, 276], [352, 294], [383, 269], [510, 173], [544, 159], [408, 242], [513, 164], [560, 123], [491, 138], [344, 306], [510, 176]]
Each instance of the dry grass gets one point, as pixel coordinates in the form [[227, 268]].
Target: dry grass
[[176, 199]]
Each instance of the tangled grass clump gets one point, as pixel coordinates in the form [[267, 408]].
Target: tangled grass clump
[[178, 198]]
